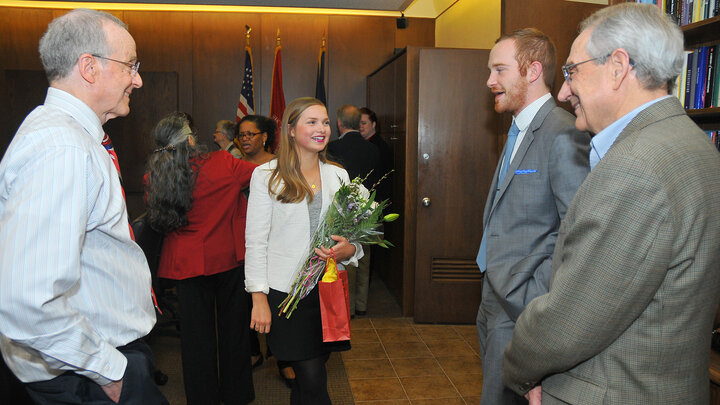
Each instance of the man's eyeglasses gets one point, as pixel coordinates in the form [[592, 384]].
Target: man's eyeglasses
[[134, 66], [568, 69], [248, 135]]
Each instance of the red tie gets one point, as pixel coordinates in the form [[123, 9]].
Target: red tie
[[107, 143]]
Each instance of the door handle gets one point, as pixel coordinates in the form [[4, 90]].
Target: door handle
[[426, 202]]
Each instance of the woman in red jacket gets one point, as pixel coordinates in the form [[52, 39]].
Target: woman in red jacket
[[196, 199]]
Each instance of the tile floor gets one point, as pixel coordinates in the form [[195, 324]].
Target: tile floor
[[394, 361]]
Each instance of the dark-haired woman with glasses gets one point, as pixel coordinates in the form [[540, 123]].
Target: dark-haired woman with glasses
[[196, 200], [255, 135]]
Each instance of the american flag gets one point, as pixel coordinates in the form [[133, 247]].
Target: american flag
[[246, 105]]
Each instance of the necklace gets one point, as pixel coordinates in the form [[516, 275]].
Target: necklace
[[312, 183]]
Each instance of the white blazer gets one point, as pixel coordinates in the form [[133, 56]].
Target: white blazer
[[277, 235]]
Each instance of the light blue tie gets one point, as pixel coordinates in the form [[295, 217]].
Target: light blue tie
[[509, 146]]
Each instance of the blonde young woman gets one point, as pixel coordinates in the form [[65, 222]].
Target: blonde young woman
[[289, 197]]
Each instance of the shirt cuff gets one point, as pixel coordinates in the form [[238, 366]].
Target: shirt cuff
[[353, 260], [263, 288], [111, 367]]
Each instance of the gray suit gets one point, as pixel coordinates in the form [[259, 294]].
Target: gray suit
[[521, 224], [635, 278]]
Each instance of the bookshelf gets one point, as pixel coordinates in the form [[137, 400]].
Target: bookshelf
[[707, 32], [701, 33]]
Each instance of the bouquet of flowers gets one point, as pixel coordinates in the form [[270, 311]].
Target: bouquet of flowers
[[353, 214]]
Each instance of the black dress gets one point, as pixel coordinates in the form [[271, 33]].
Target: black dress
[[300, 337]]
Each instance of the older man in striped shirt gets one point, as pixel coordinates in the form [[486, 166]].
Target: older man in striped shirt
[[75, 292]]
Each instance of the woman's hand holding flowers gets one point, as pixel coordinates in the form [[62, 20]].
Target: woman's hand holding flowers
[[342, 250]]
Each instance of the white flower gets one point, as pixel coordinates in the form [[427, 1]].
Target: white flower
[[363, 192]]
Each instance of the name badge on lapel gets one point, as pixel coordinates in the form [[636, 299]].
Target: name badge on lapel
[[526, 171]]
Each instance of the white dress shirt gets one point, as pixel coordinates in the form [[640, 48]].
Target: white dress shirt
[[524, 118], [73, 284]]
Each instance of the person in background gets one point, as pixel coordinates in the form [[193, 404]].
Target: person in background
[[544, 161], [369, 131], [75, 290], [223, 137], [256, 134], [361, 159], [635, 281], [196, 200], [384, 190], [289, 197]]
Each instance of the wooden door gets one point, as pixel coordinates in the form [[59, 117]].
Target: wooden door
[[457, 153]]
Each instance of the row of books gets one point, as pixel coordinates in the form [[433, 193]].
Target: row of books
[[686, 11], [715, 137], [698, 86]]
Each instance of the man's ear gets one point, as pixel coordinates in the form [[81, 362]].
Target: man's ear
[[620, 66], [87, 65], [534, 71]]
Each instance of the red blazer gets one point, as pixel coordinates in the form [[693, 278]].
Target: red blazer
[[213, 241]]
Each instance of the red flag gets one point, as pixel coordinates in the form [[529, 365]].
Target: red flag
[[277, 99]]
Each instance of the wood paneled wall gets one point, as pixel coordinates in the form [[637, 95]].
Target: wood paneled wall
[[206, 52], [558, 19]]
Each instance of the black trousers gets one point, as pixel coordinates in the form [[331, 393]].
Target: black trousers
[[12, 391], [215, 354], [138, 387]]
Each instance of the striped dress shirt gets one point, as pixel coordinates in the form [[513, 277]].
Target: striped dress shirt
[[73, 284]]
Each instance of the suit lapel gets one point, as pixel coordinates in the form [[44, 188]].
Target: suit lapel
[[490, 203], [522, 149]]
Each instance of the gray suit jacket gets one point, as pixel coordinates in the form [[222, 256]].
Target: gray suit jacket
[[549, 166], [636, 275]]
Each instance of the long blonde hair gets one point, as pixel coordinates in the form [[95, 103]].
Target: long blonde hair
[[287, 171]]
